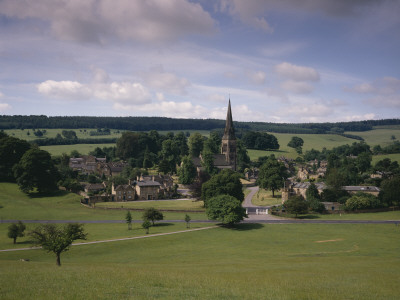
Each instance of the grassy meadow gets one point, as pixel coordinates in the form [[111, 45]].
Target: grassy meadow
[[188, 205], [63, 206], [251, 261], [380, 135], [264, 198]]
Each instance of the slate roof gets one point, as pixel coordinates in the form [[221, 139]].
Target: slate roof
[[351, 188], [148, 183]]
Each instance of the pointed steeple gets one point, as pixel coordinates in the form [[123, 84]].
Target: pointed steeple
[[229, 132]]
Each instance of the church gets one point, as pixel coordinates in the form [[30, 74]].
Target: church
[[227, 159]]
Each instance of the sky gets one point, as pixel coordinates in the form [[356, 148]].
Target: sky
[[291, 61]]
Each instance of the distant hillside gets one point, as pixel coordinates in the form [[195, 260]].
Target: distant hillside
[[161, 123]]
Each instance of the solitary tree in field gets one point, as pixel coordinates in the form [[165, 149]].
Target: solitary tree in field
[[57, 240], [152, 214], [128, 219], [187, 220], [272, 175], [146, 225], [296, 142], [16, 230], [36, 170], [296, 205], [226, 209]]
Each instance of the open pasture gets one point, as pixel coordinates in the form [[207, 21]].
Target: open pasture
[[158, 204], [251, 261], [63, 206], [380, 135]]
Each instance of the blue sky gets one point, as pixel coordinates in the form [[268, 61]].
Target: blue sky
[[278, 60]]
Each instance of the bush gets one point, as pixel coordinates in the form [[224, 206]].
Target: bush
[[362, 201]]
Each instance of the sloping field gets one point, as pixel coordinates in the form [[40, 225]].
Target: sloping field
[[252, 261]]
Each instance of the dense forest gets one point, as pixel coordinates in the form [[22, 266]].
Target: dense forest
[[161, 123]]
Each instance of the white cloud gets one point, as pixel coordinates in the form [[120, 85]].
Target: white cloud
[[166, 108], [64, 89], [158, 79], [4, 107], [297, 73], [99, 20], [125, 92]]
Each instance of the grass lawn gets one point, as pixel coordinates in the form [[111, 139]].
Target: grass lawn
[[393, 157], [252, 261], [64, 206], [264, 198], [389, 215], [158, 204], [380, 135]]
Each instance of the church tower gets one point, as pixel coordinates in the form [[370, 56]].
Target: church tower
[[228, 147]]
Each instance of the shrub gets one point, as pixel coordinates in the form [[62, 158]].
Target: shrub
[[362, 201]]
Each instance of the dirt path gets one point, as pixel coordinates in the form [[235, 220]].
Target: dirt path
[[117, 240]]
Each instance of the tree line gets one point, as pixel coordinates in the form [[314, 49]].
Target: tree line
[[162, 123]]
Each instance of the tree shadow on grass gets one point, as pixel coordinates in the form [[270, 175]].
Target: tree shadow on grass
[[308, 217], [162, 224], [245, 226]]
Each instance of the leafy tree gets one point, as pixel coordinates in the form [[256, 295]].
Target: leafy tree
[[213, 143], [146, 225], [227, 182], [152, 214], [312, 192], [16, 230], [182, 143], [362, 201], [296, 142], [226, 209], [296, 205], [208, 162], [260, 140], [196, 142], [11, 151], [363, 162], [187, 220], [272, 175], [128, 219], [69, 134], [243, 159], [390, 192], [187, 172], [36, 170], [57, 240], [316, 205], [128, 145]]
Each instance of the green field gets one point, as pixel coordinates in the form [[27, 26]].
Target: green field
[[253, 261], [264, 198], [64, 206], [249, 261], [380, 135], [158, 204]]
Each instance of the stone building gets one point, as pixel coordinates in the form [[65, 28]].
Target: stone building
[[227, 159]]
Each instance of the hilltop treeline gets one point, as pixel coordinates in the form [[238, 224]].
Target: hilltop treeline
[[161, 123]]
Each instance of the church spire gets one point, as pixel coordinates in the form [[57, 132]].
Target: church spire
[[229, 132]]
